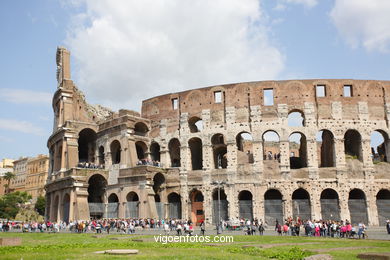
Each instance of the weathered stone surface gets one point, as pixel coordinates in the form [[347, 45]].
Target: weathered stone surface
[[10, 241], [319, 257], [375, 256], [119, 252]]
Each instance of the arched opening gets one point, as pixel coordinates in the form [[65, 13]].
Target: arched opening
[[141, 151], [66, 208], [195, 145], [158, 182], [271, 147], [197, 213], [325, 148], [220, 205], [273, 207], [301, 204], [115, 148], [195, 124], [87, 145], [132, 205], [330, 209], [296, 118], [174, 152], [219, 151], [101, 156], [55, 208], [383, 205], [298, 150], [155, 153], [245, 205], [96, 189], [174, 205], [112, 206], [357, 206], [140, 129], [379, 146], [244, 142], [353, 145]]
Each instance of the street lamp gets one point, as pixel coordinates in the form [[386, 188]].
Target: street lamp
[[219, 184]]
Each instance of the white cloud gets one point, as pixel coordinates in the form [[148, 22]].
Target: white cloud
[[23, 96], [21, 126], [281, 4], [127, 51], [363, 23]]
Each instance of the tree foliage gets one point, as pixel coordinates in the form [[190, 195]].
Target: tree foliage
[[8, 176], [40, 205], [10, 203]]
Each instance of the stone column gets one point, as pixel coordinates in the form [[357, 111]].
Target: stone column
[[185, 159], [233, 208], [285, 159], [339, 152], [372, 209], [165, 158], [184, 195], [366, 153], [344, 209], [208, 205], [312, 160], [315, 205], [287, 203], [257, 147], [71, 205], [208, 156]]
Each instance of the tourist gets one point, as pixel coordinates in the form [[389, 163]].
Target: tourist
[[202, 227]]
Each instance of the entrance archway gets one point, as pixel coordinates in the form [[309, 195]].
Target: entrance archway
[[96, 190], [220, 207], [174, 205], [197, 213], [132, 205], [330, 209], [273, 207], [357, 206], [383, 205], [112, 206], [65, 208], [301, 204], [245, 204]]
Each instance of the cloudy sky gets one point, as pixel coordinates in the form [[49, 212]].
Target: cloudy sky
[[126, 51]]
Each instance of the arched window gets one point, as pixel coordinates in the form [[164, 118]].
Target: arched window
[[379, 146], [325, 141], [219, 151], [195, 145], [271, 146], [155, 151], [244, 142], [115, 148], [140, 129], [174, 152], [273, 207], [87, 145], [245, 205], [141, 150], [298, 150], [195, 124], [353, 145], [295, 118]]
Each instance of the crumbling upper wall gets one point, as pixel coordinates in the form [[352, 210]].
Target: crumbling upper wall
[[367, 101]]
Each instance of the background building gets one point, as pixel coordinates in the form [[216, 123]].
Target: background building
[[37, 169], [20, 171], [6, 165]]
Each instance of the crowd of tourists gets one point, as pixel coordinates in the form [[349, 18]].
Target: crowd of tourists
[[90, 165], [149, 162], [291, 227]]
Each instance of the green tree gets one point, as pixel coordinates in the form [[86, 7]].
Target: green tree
[[40, 205], [8, 176], [10, 203]]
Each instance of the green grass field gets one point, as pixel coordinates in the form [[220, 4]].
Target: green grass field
[[83, 246]]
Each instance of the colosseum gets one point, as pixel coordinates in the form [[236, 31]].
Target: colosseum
[[266, 150]]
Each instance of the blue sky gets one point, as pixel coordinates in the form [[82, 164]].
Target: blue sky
[[126, 51]]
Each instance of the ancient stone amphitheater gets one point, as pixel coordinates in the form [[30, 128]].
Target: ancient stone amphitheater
[[265, 150]]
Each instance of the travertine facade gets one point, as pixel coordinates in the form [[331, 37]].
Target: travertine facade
[[296, 148]]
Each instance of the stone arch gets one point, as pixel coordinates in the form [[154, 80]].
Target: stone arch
[[296, 118], [326, 149], [220, 207], [271, 145], [330, 207], [132, 205], [97, 185], [357, 206], [383, 206], [87, 145], [219, 151], [301, 204], [195, 124], [380, 146], [56, 208], [101, 155], [115, 148], [353, 145], [66, 207], [174, 205], [141, 149], [245, 205], [196, 147], [155, 152], [174, 152], [141, 129], [112, 206], [197, 212], [273, 207], [298, 150], [244, 142]]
